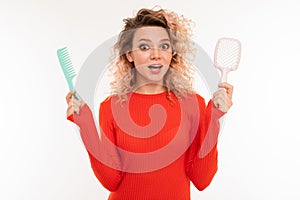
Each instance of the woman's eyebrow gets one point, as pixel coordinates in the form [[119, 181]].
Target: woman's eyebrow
[[165, 40], [143, 39], [148, 40]]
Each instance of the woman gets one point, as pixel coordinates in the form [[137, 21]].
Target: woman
[[157, 134]]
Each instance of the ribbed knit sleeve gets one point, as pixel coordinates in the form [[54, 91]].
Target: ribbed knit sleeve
[[104, 158], [202, 158]]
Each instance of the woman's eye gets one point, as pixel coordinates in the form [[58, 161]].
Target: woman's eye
[[165, 46], [144, 47]]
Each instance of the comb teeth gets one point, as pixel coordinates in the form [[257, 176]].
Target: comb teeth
[[65, 62], [66, 65]]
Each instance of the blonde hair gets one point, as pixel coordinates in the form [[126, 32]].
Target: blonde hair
[[178, 78]]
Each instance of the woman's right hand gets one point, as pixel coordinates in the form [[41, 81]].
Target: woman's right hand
[[74, 105]]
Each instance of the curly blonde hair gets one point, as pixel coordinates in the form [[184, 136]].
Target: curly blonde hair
[[178, 78]]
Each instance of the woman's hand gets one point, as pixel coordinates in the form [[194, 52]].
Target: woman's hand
[[222, 98], [74, 105]]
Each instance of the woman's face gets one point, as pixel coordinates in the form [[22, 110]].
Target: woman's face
[[151, 54]]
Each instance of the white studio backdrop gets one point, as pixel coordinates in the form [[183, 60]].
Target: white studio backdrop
[[42, 156]]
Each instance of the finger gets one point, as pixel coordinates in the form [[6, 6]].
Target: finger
[[69, 113], [227, 87], [78, 103], [70, 110], [217, 93], [221, 93], [73, 107], [72, 103], [69, 95], [222, 103], [218, 102]]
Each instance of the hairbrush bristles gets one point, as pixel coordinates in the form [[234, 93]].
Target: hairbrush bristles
[[227, 56]]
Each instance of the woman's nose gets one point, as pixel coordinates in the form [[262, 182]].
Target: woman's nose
[[155, 53]]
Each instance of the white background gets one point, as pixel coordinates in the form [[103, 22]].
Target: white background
[[42, 157]]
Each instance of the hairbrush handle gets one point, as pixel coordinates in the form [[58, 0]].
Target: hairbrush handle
[[224, 74], [223, 78]]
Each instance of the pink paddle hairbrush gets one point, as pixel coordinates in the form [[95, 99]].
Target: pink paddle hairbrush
[[227, 56]]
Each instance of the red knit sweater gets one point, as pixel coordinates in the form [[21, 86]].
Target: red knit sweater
[[151, 147]]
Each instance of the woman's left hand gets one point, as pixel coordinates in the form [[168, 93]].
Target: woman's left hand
[[222, 98]]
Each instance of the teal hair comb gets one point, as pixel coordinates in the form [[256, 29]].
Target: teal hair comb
[[67, 67]]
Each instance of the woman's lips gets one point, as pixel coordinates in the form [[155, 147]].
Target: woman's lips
[[155, 66], [155, 69]]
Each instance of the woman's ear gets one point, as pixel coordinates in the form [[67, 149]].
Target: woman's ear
[[129, 57]]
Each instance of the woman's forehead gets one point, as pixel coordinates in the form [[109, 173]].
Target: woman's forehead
[[151, 33]]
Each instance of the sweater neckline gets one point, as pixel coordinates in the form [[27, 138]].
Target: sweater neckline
[[149, 95]]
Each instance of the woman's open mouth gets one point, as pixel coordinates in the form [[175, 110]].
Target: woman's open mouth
[[155, 66], [155, 69]]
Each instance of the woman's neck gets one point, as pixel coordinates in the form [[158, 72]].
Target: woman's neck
[[150, 89]]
